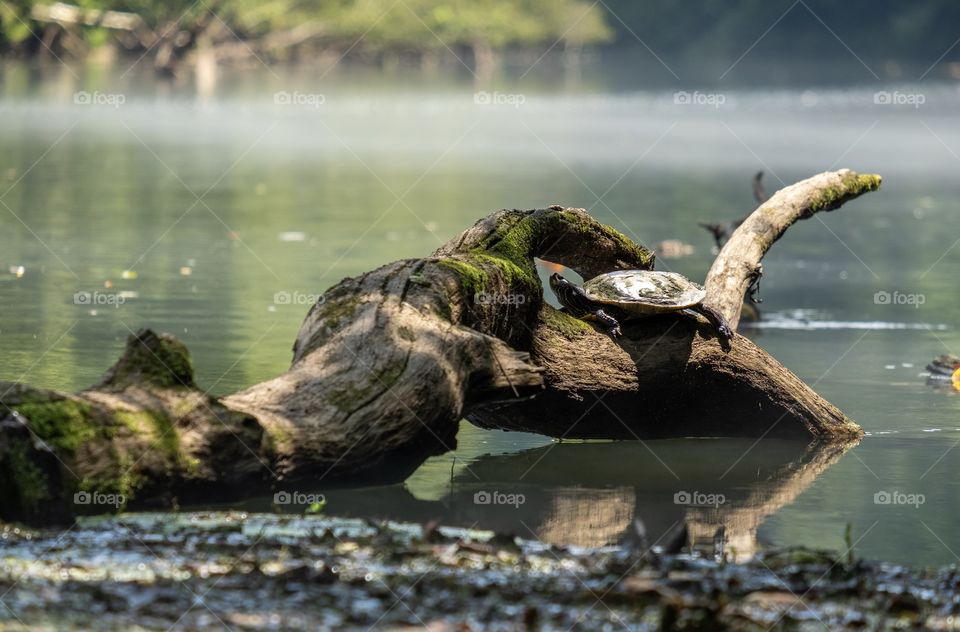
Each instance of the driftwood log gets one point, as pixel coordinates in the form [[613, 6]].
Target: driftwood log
[[387, 363]]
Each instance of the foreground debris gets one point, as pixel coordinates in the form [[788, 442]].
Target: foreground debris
[[200, 571]]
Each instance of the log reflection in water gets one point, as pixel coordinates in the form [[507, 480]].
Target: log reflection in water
[[588, 494]]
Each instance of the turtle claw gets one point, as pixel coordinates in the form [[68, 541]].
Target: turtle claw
[[724, 331], [720, 324], [611, 324]]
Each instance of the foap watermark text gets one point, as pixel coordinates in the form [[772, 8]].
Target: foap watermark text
[[498, 498]]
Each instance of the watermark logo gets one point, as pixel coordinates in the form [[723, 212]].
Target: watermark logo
[[498, 498], [898, 498], [302, 99], [115, 299], [499, 98], [99, 98], [99, 499], [916, 99], [298, 298], [712, 99], [698, 499], [899, 298], [298, 498], [482, 298]]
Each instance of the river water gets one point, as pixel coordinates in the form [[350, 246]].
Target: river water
[[144, 205]]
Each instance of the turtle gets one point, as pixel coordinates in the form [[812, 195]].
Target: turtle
[[614, 296]]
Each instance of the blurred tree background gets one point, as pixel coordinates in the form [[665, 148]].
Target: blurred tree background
[[474, 32]]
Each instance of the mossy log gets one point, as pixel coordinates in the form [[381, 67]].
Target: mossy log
[[387, 363]]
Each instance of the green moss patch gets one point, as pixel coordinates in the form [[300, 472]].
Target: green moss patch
[[565, 324], [473, 278], [163, 433], [65, 424], [149, 358], [853, 185]]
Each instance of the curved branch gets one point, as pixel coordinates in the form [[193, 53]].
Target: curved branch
[[738, 264]]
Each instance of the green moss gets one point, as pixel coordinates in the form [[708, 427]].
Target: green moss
[[517, 234], [624, 243], [164, 433], [568, 326], [28, 479], [512, 273], [174, 366], [65, 424], [509, 249], [473, 278], [852, 185], [406, 333], [514, 239], [161, 360]]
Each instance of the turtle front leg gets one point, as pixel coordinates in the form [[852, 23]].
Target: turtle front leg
[[720, 324], [611, 324]]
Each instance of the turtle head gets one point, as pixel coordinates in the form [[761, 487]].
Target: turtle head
[[568, 294], [557, 281]]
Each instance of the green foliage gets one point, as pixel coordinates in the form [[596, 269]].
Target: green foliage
[[886, 28], [366, 25]]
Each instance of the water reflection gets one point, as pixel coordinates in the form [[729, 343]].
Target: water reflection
[[588, 494]]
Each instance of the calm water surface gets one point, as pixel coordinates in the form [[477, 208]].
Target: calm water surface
[[199, 212]]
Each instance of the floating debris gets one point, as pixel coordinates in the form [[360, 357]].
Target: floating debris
[[17, 271], [674, 249], [292, 235], [944, 365], [186, 270], [128, 275]]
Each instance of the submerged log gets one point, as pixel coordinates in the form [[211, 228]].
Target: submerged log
[[388, 362]]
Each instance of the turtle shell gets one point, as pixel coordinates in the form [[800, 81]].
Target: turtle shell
[[644, 290]]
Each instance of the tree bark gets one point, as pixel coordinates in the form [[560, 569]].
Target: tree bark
[[387, 363]]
